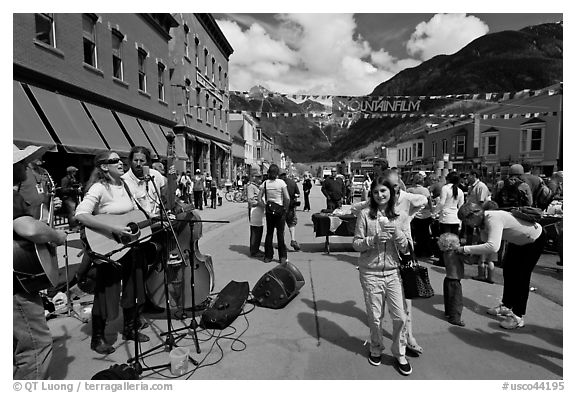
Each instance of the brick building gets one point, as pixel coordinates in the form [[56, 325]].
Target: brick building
[[84, 83]]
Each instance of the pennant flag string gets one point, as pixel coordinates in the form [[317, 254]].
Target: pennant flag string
[[469, 96]]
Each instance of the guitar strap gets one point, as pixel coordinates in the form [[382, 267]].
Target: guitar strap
[[135, 200]]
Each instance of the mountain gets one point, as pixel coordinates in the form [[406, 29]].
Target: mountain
[[506, 61]]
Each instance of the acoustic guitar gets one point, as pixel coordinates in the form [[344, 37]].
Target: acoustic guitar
[[36, 265], [112, 245]]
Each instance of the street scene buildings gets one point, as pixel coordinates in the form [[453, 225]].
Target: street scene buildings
[[376, 167]]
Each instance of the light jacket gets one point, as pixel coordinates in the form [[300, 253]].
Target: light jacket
[[374, 257]]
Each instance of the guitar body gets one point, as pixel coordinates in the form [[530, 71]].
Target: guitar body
[[35, 265], [104, 243]]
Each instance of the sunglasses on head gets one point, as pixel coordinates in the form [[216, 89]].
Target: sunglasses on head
[[109, 161]]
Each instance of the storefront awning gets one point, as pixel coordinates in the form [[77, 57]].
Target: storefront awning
[[202, 140], [180, 151], [156, 136], [222, 146], [109, 128], [135, 132], [70, 122], [28, 129]]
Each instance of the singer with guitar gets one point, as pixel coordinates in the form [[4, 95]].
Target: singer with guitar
[[31, 336], [108, 196]]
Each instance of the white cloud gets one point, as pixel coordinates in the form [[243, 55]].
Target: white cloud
[[444, 34], [323, 54]]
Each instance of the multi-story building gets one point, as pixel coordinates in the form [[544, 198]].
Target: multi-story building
[[525, 129], [85, 83], [199, 73]]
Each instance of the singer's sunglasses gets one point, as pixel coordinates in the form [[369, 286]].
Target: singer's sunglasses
[[109, 161]]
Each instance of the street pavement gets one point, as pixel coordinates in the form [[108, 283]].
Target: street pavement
[[321, 334]]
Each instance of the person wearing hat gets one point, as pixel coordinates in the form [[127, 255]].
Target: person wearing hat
[[526, 242], [70, 188], [513, 191], [32, 349], [38, 187]]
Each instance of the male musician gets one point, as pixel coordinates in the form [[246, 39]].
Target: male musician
[[70, 189], [37, 187], [140, 183], [31, 336]]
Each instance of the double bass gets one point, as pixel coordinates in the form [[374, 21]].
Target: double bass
[[187, 225]]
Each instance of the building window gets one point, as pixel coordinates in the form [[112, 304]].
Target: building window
[[532, 139], [161, 74], [213, 69], [45, 29], [490, 145], [206, 62], [444, 146], [433, 149], [89, 40], [459, 145], [186, 49], [198, 109], [196, 51], [214, 113], [117, 67], [142, 69], [419, 149], [207, 101], [220, 76], [220, 116]]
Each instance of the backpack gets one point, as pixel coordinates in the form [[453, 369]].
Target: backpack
[[543, 195], [510, 196], [527, 213]]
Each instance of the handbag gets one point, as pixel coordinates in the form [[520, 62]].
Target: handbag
[[272, 208], [415, 280]]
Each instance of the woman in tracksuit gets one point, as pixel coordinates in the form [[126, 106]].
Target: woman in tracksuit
[[379, 239]]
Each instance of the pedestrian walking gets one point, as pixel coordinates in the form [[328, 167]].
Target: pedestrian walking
[[526, 242], [198, 189], [420, 225], [379, 239], [307, 187]]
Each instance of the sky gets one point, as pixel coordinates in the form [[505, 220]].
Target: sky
[[345, 53]]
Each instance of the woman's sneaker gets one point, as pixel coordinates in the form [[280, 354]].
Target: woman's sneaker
[[374, 360], [404, 368], [512, 321], [499, 311]]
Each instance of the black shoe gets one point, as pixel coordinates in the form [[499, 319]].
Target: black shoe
[[375, 360], [142, 338], [456, 322], [294, 244], [405, 369], [99, 345]]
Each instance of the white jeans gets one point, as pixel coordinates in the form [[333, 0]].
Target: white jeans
[[380, 287]]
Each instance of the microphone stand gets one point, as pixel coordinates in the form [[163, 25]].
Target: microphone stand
[[170, 342]]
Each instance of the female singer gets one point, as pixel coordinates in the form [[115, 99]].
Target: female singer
[[107, 194]]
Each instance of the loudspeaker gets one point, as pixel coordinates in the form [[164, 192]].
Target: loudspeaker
[[226, 307], [278, 287]]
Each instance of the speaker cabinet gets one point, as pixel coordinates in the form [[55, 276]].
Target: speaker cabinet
[[278, 287]]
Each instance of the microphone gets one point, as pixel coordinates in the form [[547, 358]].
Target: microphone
[[146, 175], [146, 172]]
